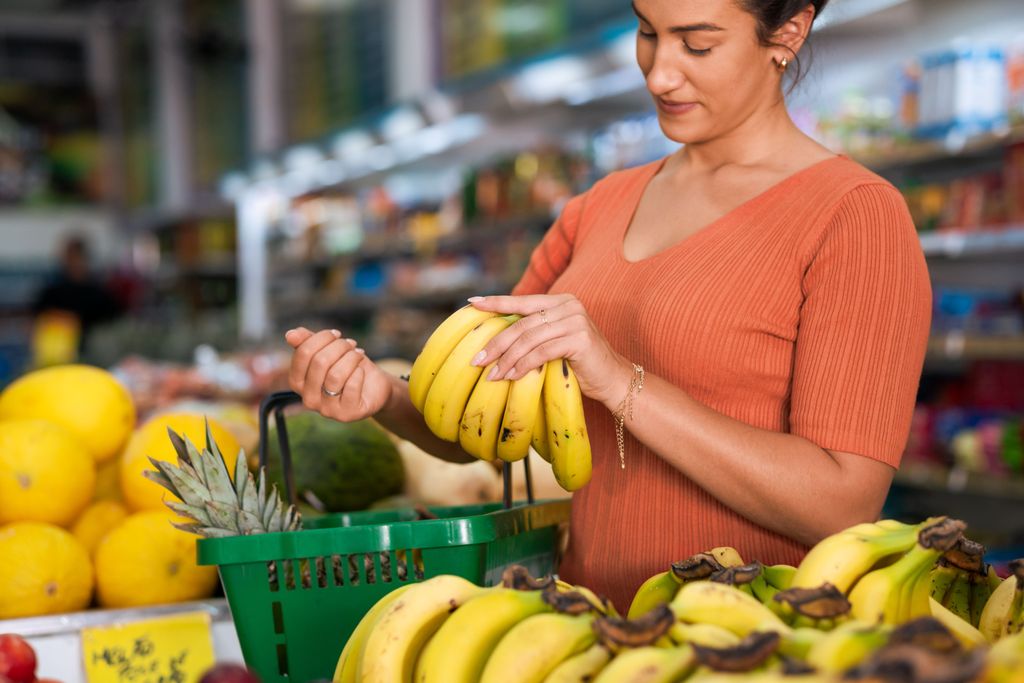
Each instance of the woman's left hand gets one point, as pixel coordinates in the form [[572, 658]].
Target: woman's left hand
[[554, 326]]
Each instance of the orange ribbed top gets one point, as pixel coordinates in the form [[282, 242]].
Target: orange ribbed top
[[804, 310]]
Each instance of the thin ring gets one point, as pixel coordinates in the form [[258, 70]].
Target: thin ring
[[544, 316], [328, 392]]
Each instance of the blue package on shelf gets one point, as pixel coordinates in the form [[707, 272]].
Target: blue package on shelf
[[963, 92]]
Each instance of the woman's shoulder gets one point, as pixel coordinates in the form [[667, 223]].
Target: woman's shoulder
[[844, 176], [625, 180]]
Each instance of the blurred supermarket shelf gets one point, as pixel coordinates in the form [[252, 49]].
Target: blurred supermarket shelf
[[959, 243], [958, 346], [919, 154]]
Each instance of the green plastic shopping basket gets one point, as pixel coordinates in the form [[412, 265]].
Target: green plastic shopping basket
[[295, 597]]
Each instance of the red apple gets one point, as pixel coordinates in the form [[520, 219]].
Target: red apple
[[17, 659], [229, 673]]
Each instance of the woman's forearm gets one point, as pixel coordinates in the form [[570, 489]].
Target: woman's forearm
[[401, 418], [781, 481]]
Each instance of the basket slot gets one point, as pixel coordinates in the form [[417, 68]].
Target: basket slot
[[275, 608], [339, 572], [417, 562], [355, 572], [289, 574], [272, 576], [372, 563], [282, 659], [321, 572], [387, 566], [305, 572]]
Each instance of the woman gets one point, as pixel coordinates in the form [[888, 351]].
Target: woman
[[754, 307]]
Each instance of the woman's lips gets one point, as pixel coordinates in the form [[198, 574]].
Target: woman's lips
[[675, 108]]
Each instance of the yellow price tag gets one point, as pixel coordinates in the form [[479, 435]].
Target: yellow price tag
[[174, 649]]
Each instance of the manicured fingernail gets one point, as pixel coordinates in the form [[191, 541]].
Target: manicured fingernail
[[479, 358], [336, 333], [493, 373], [359, 350], [509, 374], [474, 299], [351, 341], [289, 332]]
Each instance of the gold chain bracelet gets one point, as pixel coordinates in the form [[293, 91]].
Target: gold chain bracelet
[[636, 385]]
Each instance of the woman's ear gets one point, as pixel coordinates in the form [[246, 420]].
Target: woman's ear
[[794, 32]]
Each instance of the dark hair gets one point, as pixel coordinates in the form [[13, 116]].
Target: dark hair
[[772, 14]]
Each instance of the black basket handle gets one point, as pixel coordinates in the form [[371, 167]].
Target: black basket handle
[[276, 403]]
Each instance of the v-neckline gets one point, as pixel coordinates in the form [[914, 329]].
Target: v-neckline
[[743, 206]]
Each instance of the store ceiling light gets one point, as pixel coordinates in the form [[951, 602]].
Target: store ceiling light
[[546, 81]]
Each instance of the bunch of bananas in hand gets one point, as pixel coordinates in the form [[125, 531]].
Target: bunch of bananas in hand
[[500, 419]]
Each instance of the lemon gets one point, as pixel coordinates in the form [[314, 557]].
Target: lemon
[[44, 571], [45, 474], [145, 561], [152, 441], [108, 481], [96, 522], [89, 402]]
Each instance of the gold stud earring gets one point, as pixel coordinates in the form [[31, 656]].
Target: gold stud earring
[[783, 63]]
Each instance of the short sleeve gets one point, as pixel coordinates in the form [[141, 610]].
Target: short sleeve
[[552, 255], [863, 329]]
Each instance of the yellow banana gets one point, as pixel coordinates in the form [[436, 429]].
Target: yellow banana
[[481, 421], [779, 575], [841, 559], [440, 343], [705, 602], [649, 665], [348, 662], [403, 628], [582, 667], [881, 595], [1006, 661], [539, 437], [534, 647], [455, 380], [968, 636], [845, 647], [727, 556], [520, 417], [1003, 614], [568, 443], [707, 635], [657, 590], [918, 594], [459, 650]]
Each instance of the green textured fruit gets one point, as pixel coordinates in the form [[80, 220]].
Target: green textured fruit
[[338, 466]]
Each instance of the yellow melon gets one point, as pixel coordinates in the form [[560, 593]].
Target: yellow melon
[[145, 561], [88, 402], [152, 441], [45, 473], [96, 522], [44, 571]]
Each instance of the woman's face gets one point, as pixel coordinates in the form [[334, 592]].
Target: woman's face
[[704, 66]]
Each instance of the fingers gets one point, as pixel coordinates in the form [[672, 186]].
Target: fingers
[[530, 331], [352, 397], [523, 305], [297, 336], [326, 362], [304, 354]]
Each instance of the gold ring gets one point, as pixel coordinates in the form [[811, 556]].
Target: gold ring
[[328, 392], [544, 316]]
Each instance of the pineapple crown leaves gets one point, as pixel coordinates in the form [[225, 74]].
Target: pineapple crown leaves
[[220, 505]]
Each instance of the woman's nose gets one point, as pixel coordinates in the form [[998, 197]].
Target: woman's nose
[[666, 74]]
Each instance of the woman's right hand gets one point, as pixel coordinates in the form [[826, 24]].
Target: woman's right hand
[[324, 364]]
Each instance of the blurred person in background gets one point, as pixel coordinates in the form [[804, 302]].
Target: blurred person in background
[[760, 303], [68, 308]]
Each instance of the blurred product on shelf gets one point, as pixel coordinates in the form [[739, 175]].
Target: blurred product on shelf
[[963, 91]]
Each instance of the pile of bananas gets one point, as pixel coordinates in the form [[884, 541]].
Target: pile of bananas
[[877, 602], [500, 419]]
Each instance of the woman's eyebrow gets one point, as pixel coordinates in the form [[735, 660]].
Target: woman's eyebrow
[[700, 26]]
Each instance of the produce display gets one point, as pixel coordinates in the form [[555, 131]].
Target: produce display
[[501, 418], [885, 601]]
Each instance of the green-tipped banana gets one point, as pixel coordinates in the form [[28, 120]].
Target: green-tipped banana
[[885, 595], [704, 602], [534, 647], [348, 662], [582, 667], [520, 417], [707, 635], [459, 650], [480, 427], [845, 647], [779, 576], [456, 378], [649, 665], [1004, 612], [968, 636], [942, 578], [568, 443], [841, 559], [440, 344], [798, 642], [657, 590], [403, 628], [981, 591], [958, 597]]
